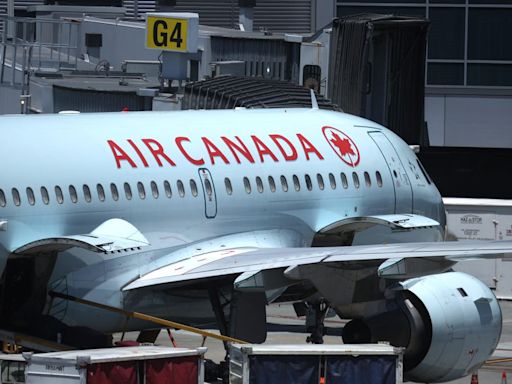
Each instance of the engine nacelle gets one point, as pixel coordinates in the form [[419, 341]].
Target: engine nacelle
[[450, 324], [465, 321]]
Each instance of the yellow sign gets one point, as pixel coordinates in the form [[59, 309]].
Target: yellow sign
[[165, 33]]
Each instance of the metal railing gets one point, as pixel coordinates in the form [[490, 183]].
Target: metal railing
[[29, 44]]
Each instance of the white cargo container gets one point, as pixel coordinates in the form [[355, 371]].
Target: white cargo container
[[13, 368], [315, 363], [483, 219], [130, 365]]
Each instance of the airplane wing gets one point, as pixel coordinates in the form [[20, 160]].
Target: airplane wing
[[399, 260], [112, 235]]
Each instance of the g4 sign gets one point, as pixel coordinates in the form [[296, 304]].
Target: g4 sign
[[166, 33]]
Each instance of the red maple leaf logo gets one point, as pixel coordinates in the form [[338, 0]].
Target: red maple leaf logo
[[343, 145]]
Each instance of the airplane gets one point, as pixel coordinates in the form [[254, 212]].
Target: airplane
[[206, 217]]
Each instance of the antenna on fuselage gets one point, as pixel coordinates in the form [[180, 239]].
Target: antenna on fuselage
[[314, 103]]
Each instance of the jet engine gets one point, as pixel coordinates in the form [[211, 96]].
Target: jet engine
[[449, 323]]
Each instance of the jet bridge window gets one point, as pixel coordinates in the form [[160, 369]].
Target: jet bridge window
[[87, 193], [154, 189], [167, 189], [181, 188], [332, 181], [3, 202], [344, 180], [247, 185], [128, 191], [114, 192], [284, 183], [229, 187], [367, 179], [59, 195], [72, 194], [296, 183], [141, 190], [379, 178], [259, 184], [193, 187], [320, 181], [101, 192], [30, 196], [271, 184], [16, 197], [355, 178]]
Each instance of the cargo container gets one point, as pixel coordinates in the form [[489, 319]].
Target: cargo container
[[127, 365], [315, 363]]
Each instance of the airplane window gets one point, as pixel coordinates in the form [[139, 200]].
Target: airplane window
[[309, 184], [229, 187], [284, 184], [367, 180], [73, 194], [356, 179], [344, 180], [16, 197], [296, 183], [247, 185], [259, 184], [193, 187], [208, 187], [45, 195], [30, 196], [181, 188], [154, 189], [101, 192], [167, 188], [271, 184], [87, 193], [320, 180], [332, 181], [379, 178], [142, 191], [115, 193], [128, 191], [3, 202], [59, 195]]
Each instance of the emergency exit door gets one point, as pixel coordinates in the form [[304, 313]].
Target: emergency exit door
[[210, 199]]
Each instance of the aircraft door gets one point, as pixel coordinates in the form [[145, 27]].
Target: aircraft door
[[401, 183], [210, 199]]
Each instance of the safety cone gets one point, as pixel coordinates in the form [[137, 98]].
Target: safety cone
[[474, 378], [504, 377]]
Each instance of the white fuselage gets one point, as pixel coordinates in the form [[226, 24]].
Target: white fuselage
[[204, 179]]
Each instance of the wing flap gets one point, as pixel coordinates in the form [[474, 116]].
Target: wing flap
[[247, 260]]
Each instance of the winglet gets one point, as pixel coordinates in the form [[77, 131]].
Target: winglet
[[314, 103]]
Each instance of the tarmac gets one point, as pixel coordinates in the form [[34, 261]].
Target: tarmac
[[285, 328]]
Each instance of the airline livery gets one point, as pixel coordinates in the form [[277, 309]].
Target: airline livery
[[207, 216]]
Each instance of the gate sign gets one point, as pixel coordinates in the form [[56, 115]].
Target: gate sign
[[175, 32]]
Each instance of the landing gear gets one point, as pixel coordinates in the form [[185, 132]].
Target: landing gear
[[315, 317]]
